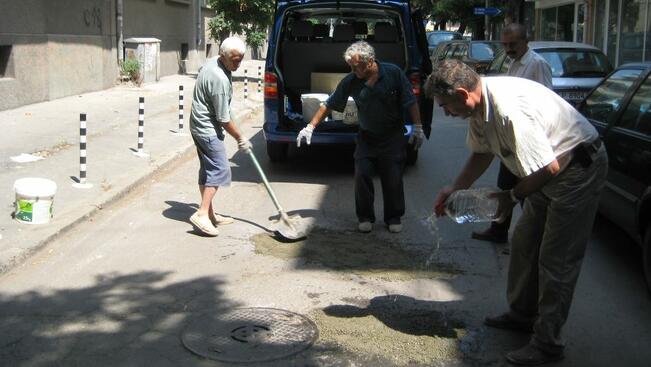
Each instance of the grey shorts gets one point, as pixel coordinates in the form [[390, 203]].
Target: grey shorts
[[214, 169]]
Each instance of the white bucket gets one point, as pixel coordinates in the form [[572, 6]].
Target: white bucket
[[34, 198], [311, 103]]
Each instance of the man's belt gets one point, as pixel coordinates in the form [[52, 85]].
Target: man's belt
[[584, 153]]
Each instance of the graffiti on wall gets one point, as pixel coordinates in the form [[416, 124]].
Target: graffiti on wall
[[93, 17]]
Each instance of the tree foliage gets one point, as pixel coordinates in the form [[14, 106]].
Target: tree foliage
[[247, 17], [462, 12]]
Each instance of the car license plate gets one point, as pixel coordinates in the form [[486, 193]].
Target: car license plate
[[573, 95]]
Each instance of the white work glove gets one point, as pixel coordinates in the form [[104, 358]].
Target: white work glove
[[305, 133], [417, 136], [244, 144]]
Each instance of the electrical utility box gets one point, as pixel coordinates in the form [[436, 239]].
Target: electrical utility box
[[147, 51]]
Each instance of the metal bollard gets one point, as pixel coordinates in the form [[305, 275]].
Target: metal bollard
[[82, 184], [246, 85], [181, 109], [141, 129]]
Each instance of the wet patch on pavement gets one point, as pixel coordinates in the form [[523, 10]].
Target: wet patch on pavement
[[409, 331], [363, 254]]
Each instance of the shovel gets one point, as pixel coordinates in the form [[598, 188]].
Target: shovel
[[287, 227]]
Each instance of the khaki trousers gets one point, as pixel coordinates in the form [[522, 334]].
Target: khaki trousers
[[548, 246]]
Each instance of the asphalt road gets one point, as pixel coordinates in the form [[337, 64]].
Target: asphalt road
[[124, 287]]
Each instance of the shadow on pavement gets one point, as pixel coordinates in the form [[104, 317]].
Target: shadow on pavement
[[127, 320], [182, 211], [131, 319], [404, 314]]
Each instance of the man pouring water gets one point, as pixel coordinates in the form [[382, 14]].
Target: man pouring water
[[561, 165]]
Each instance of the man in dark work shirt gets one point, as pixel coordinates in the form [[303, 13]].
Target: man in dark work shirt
[[382, 93]]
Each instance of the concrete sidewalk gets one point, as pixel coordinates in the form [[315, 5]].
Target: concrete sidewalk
[[50, 130]]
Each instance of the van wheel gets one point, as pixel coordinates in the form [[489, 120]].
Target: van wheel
[[646, 257], [277, 152], [412, 155]]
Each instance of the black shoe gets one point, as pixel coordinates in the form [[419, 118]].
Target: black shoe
[[505, 321], [490, 235], [530, 355]]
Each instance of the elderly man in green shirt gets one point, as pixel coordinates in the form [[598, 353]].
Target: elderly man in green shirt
[[211, 115], [382, 93]]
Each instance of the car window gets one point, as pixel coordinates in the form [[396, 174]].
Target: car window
[[637, 115], [460, 50], [447, 51], [605, 100], [483, 51], [434, 38], [569, 63], [442, 51], [499, 65]]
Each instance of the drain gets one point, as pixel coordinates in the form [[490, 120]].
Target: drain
[[249, 335]]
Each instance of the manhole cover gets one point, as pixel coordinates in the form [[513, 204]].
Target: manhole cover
[[249, 335]]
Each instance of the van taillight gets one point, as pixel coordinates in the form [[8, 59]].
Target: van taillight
[[270, 86], [415, 83]]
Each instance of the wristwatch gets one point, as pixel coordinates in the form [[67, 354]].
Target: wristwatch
[[514, 198]]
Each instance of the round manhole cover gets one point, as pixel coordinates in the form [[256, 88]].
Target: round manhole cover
[[249, 335]]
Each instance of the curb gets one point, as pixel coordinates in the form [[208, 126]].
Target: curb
[[174, 159]]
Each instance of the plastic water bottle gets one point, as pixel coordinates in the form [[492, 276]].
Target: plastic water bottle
[[472, 205]]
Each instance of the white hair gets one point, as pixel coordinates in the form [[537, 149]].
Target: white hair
[[232, 44], [362, 49]]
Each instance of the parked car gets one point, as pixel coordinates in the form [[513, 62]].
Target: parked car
[[477, 54], [305, 56], [620, 108], [436, 37], [576, 67]]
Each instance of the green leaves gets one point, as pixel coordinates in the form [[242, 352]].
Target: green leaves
[[247, 17]]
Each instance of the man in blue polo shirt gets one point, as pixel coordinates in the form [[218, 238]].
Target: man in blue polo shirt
[[382, 93]]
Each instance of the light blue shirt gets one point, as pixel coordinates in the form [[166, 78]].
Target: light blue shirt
[[211, 101]]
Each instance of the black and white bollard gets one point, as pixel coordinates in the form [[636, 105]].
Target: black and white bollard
[[82, 184], [259, 79], [141, 129], [181, 105], [246, 86]]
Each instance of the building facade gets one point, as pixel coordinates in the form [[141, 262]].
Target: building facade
[[621, 28], [52, 49]]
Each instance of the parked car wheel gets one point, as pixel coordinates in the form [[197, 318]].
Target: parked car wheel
[[412, 155], [646, 257], [277, 152]]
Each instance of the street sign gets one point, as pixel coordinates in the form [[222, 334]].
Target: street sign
[[491, 12]]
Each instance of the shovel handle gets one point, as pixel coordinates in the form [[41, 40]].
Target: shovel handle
[[264, 179]]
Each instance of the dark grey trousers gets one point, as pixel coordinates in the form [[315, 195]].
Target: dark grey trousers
[[548, 246], [386, 157]]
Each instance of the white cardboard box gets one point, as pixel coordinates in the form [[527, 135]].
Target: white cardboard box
[[325, 82]]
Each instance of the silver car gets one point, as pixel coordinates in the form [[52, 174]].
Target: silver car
[[576, 67]]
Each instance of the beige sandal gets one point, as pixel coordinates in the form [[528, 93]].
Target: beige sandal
[[221, 220], [204, 225]]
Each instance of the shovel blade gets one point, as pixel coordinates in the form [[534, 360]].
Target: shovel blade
[[290, 227]]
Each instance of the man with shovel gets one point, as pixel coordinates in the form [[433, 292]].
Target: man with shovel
[[562, 166], [211, 115], [382, 93]]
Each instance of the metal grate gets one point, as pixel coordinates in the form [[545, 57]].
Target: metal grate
[[249, 335]]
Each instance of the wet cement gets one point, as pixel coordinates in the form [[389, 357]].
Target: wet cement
[[409, 332], [362, 254]]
